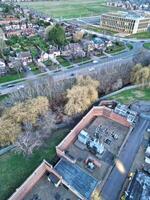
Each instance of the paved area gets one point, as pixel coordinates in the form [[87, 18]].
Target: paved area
[[44, 190], [104, 127], [114, 183]]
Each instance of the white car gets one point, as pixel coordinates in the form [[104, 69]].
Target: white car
[[20, 87], [91, 69], [95, 61]]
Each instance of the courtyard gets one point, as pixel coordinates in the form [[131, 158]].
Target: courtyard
[[45, 190], [111, 134]]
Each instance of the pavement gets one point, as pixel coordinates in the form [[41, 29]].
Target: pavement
[[115, 181]]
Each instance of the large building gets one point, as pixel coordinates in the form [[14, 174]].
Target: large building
[[86, 155], [125, 22]]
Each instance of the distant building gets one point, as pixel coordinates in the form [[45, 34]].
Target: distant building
[[139, 188], [126, 22]]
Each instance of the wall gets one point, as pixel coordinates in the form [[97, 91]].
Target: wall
[[26, 187], [94, 112]]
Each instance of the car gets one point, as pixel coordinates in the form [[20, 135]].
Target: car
[[20, 87], [72, 74], [91, 69], [95, 61], [148, 130], [10, 85]]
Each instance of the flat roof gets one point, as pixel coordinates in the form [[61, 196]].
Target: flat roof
[[127, 15], [76, 178], [140, 187]]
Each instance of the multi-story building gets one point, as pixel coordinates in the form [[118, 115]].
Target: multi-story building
[[126, 22]]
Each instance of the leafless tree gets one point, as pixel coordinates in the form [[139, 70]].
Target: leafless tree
[[28, 140]]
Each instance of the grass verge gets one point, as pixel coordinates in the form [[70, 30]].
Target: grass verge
[[132, 95], [15, 168]]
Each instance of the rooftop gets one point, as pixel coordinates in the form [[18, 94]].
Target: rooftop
[[76, 178], [128, 15], [140, 187]]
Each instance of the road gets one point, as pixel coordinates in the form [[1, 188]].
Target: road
[[83, 69], [114, 183]]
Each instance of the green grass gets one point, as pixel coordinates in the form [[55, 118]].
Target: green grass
[[10, 77], [80, 60], [34, 68], [99, 30], [2, 97], [147, 45], [69, 8], [116, 48], [129, 46], [63, 61], [132, 95], [142, 35], [15, 168]]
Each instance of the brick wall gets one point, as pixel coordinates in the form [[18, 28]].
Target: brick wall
[[94, 112], [27, 186]]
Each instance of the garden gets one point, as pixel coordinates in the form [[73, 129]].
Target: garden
[[116, 48]]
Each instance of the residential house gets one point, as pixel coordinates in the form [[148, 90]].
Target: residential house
[[73, 50], [3, 69], [25, 57]]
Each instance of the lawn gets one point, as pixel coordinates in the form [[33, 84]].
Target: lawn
[[99, 30], [69, 8], [34, 68], [10, 77], [80, 60], [132, 95], [15, 168], [63, 61], [142, 35], [116, 48], [2, 97], [147, 45]]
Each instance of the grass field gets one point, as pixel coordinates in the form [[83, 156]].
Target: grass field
[[10, 77], [15, 168], [142, 35], [132, 95], [147, 45], [69, 8]]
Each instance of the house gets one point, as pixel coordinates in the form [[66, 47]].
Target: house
[[88, 45], [73, 50], [24, 57], [3, 69]]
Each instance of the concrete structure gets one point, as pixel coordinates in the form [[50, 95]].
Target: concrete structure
[[74, 172], [125, 22]]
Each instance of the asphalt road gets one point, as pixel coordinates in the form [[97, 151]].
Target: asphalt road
[[83, 69], [114, 183]]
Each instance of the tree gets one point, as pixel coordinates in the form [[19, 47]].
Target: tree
[[78, 36], [47, 31], [9, 131], [81, 95], [57, 35], [29, 110], [140, 75], [2, 44], [29, 140]]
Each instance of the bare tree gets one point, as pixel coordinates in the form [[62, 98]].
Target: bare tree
[[29, 140]]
